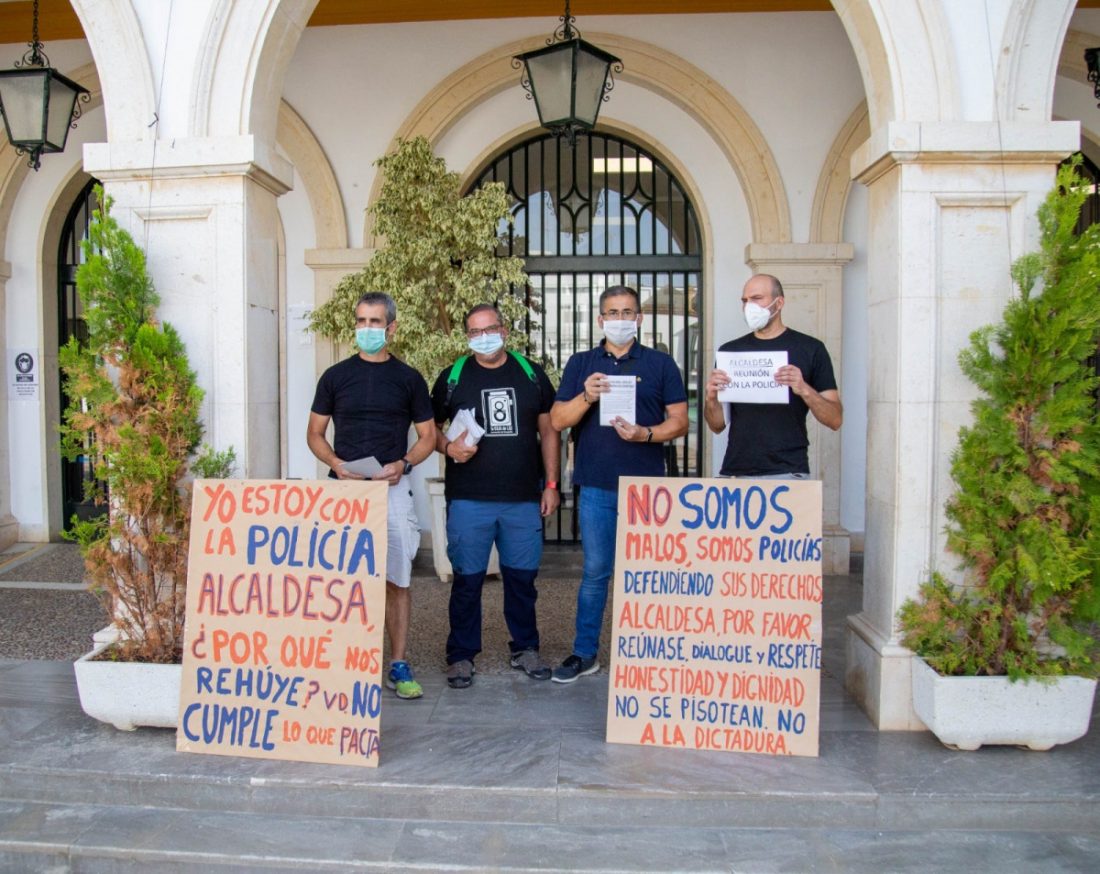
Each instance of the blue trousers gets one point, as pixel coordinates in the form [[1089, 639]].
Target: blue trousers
[[598, 513], [472, 529]]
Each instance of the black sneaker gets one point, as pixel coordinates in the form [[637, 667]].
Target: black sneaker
[[529, 662], [574, 667], [461, 674]]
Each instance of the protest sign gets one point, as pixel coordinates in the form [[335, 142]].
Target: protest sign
[[752, 377], [286, 589], [716, 618]]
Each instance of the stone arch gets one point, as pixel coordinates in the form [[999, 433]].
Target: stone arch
[[900, 46], [651, 68], [247, 47], [835, 181], [122, 66], [311, 163], [1029, 56]]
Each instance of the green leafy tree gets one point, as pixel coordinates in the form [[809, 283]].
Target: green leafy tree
[[134, 407], [1025, 518], [439, 260]]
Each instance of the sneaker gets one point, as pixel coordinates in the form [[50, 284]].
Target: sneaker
[[574, 667], [461, 674], [400, 679], [529, 662]]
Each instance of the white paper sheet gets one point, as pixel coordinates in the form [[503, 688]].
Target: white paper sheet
[[752, 377], [620, 400], [465, 420], [367, 467]]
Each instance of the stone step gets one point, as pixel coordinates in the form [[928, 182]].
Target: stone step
[[116, 838]]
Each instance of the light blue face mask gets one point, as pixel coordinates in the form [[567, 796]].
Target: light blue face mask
[[486, 344], [370, 340]]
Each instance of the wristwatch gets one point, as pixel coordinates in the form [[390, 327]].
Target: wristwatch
[[408, 467], [649, 436]]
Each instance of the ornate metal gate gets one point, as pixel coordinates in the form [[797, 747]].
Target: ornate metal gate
[[70, 323], [603, 213]]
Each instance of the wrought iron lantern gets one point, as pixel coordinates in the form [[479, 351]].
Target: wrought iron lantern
[[1092, 61], [39, 105], [568, 79]]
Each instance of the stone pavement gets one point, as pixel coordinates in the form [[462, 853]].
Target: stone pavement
[[514, 775]]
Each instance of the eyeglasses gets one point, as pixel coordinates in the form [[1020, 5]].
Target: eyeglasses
[[473, 333], [625, 315]]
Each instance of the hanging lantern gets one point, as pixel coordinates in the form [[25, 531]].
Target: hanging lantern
[[39, 105], [568, 80]]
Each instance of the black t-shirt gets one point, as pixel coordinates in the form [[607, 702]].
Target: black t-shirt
[[372, 406], [507, 404], [771, 438]]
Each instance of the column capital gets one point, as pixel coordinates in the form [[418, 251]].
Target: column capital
[[963, 142], [341, 259], [190, 158], [807, 254]]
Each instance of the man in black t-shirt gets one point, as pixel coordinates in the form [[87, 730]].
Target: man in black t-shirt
[[769, 440], [372, 398], [497, 491]]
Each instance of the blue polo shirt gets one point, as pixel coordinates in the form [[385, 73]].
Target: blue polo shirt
[[602, 455]]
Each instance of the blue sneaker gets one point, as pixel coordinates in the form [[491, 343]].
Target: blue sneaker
[[401, 680]]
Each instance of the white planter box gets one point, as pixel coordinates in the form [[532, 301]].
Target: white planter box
[[967, 712], [442, 564], [128, 694]]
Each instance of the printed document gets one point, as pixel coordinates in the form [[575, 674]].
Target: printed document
[[752, 377], [620, 400], [367, 467], [465, 420]]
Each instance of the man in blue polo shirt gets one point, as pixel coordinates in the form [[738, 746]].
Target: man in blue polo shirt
[[606, 452]]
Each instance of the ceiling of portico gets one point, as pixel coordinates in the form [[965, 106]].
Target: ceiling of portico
[[58, 21]]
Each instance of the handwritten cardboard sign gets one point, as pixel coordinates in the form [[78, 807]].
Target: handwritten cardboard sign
[[286, 589], [752, 377], [716, 622]]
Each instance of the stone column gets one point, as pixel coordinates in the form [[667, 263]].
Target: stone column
[[951, 206], [9, 527], [812, 277], [204, 211]]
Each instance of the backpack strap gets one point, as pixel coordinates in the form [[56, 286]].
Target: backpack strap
[[456, 372], [452, 377], [525, 364]]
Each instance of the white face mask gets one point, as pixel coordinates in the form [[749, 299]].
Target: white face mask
[[620, 332], [757, 316]]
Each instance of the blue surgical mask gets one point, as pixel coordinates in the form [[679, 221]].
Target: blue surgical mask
[[370, 340], [486, 344]]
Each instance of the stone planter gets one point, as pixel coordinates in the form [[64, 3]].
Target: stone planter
[[128, 694], [967, 712], [440, 562]]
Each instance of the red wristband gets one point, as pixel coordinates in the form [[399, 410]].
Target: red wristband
[[552, 484]]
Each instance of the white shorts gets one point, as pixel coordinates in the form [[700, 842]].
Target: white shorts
[[402, 534]]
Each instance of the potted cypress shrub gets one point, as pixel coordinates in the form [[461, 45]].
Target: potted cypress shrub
[[134, 408], [1010, 654], [438, 261]]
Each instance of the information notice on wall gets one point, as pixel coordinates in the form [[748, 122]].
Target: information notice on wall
[[285, 610], [716, 617]]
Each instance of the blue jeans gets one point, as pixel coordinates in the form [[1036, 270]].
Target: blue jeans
[[472, 528], [598, 514]]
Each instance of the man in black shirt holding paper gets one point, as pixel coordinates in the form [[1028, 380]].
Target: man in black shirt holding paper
[[372, 398], [498, 489], [769, 439]]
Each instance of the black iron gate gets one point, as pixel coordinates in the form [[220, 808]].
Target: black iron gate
[[603, 213], [70, 323]]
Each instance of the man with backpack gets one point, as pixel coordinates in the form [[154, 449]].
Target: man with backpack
[[498, 489]]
